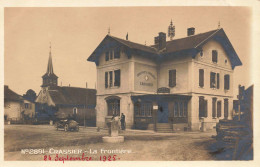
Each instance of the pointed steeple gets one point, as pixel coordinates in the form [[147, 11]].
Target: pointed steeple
[[50, 67], [49, 78]]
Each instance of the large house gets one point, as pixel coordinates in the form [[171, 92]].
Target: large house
[[183, 83], [63, 102]]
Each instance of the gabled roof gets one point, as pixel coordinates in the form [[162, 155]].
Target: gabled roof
[[194, 43], [72, 95], [10, 95]]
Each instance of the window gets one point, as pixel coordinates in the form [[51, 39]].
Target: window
[[117, 78], [226, 82], [112, 54], [225, 108], [214, 80], [27, 105], [214, 56], [75, 111], [107, 56], [117, 53], [203, 107], [172, 78], [176, 109], [219, 109], [185, 113], [180, 109], [144, 109], [214, 103], [112, 78], [113, 106], [201, 77]]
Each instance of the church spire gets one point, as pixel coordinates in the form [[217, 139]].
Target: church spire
[[49, 78], [50, 67]]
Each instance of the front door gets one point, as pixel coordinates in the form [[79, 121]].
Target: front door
[[162, 113]]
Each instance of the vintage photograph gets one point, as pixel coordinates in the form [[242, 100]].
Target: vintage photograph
[[128, 84]]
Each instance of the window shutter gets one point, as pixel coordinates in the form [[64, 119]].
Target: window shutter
[[205, 108], [201, 78], [172, 78], [201, 106], [110, 78], [117, 78], [217, 80], [107, 56], [226, 108], [214, 100], [219, 109], [106, 79]]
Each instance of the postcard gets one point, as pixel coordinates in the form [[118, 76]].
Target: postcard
[[106, 85]]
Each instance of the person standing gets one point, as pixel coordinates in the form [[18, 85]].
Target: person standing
[[122, 119]]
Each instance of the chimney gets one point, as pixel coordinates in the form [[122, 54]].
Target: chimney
[[190, 31], [160, 40], [86, 84]]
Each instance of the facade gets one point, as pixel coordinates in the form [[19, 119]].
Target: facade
[[17, 109], [63, 102], [13, 105], [183, 83]]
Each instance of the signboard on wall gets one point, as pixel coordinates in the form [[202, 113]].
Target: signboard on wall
[[163, 90], [146, 78]]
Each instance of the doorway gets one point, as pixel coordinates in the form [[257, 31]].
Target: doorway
[[163, 113]]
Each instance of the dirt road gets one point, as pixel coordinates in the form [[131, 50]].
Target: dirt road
[[143, 145]]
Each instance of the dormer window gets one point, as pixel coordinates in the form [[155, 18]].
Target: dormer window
[[214, 56]]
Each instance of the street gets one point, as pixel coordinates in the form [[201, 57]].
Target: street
[[141, 145]]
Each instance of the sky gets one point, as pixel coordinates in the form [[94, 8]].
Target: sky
[[74, 34]]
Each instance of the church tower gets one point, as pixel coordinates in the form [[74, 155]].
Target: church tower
[[49, 78]]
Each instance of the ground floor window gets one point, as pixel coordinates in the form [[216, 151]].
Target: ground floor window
[[180, 108], [203, 107], [143, 109], [113, 106]]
